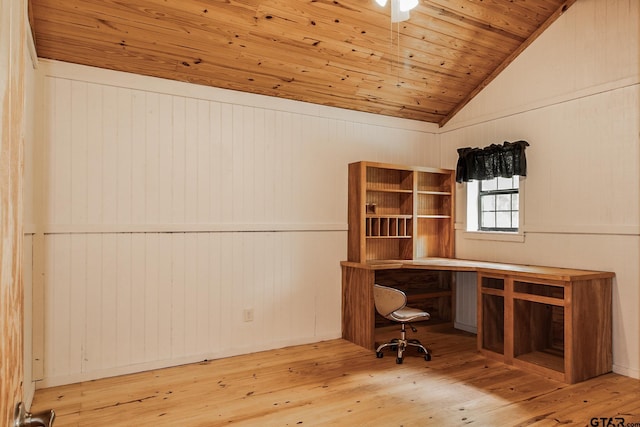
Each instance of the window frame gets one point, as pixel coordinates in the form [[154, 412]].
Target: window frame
[[471, 229], [496, 192]]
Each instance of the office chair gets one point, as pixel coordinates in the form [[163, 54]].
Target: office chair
[[391, 303]]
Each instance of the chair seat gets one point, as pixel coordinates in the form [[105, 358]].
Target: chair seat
[[409, 314]]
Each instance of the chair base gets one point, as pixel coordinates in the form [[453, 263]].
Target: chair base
[[400, 345]]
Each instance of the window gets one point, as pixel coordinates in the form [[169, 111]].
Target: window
[[498, 204], [494, 205]]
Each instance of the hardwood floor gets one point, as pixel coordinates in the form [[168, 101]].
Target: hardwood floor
[[338, 383]]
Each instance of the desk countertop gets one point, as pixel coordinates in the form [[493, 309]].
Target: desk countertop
[[454, 264]]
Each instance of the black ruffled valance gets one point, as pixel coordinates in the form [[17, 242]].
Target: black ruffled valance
[[504, 161]]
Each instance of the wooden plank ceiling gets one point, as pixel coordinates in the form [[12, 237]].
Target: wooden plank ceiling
[[342, 53]]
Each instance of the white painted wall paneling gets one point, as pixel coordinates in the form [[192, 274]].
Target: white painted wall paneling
[[165, 216]]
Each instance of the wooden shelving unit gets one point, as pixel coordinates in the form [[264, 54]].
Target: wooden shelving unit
[[399, 212]]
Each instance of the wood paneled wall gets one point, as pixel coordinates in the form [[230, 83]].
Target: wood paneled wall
[[574, 94], [165, 210], [12, 51]]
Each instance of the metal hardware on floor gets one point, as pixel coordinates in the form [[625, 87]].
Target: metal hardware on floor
[[27, 419]]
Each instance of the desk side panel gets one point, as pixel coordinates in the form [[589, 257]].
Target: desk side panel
[[355, 242], [591, 329], [358, 310]]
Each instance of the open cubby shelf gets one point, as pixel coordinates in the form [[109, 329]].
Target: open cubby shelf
[[393, 202]]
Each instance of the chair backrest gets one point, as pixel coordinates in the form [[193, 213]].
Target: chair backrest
[[388, 300]]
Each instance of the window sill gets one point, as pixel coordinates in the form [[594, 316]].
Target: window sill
[[494, 236]]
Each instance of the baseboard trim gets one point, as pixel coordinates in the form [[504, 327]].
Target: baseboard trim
[[627, 372], [464, 327]]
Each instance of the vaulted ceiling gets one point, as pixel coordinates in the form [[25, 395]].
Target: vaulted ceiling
[[341, 53]]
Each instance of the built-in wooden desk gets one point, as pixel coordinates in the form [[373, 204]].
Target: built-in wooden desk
[[554, 321]]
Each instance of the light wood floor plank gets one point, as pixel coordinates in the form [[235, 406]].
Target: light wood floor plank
[[338, 383]]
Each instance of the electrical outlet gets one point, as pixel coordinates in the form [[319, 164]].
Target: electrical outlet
[[247, 315]]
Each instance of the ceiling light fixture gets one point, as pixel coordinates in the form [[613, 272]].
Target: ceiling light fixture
[[399, 8], [407, 5]]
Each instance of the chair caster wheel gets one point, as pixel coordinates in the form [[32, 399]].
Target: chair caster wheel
[[427, 357], [379, 354], [399, 360]]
